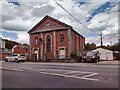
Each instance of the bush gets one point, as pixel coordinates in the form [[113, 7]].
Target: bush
[[74, 54]]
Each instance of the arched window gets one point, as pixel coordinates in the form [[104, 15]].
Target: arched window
[[61, 38], [48, 44], [36, 40]]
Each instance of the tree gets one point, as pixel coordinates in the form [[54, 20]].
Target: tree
[[90, 46], [9, 44], [115, 47]]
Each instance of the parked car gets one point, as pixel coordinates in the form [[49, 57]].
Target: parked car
[[92, 57], [15, 58]]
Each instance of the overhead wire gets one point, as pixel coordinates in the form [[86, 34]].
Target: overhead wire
[[73, 16]]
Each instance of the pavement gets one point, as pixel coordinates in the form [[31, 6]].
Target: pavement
[[58, 75]]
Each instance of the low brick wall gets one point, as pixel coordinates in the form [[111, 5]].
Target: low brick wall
[[3, 55]]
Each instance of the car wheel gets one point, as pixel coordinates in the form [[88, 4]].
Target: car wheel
[[23, 61], [98, 58], [96, 61], [16, 60], [6, 60], [85, 61]]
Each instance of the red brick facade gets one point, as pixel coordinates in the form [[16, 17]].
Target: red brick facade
[[21, 49], [55, 39]]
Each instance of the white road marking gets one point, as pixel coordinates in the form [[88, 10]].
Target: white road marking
[[58, 70], [44, 71], [13, 69], [86, 76], [26, 68], [71, 72], [69, 76]]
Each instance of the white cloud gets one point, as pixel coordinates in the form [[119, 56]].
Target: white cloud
[[42, 11], [17, 24], [24, 17], [23, 37]]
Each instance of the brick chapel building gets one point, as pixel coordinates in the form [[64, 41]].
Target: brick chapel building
[[54, 39]]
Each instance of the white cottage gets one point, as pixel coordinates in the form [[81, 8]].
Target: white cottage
[[104, 54]]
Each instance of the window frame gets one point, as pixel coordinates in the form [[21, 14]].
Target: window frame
[[48, 43], [36, 40], [61, 38]]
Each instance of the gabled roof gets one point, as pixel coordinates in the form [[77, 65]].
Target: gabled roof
[[22, 45], [102, 49], [25, 46], [66, 25]]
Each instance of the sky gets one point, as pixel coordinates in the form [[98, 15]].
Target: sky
[[100, 16]]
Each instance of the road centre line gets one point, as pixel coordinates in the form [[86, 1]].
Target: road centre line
[[68, 76]]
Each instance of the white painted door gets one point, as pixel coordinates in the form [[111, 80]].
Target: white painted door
[[62, 53], [36, 54]]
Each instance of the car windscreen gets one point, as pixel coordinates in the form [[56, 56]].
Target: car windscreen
[[14, 55], [22, 55], [90, 54]]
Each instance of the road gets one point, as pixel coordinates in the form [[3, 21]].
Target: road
[[58, 75]]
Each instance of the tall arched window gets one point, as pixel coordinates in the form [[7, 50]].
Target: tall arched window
[[61, 38], [48, 44], [36, 40]]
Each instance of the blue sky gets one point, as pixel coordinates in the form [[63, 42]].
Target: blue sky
[[101, 9], [35, 12], [16, 2], [12, 35]]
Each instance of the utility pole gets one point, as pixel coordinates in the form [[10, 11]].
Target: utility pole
[[118, 41], [110, 43], [101, 39]]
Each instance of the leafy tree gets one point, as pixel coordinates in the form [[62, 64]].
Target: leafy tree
[[115, 47], [74, 53], [90, 46], [10, 44]]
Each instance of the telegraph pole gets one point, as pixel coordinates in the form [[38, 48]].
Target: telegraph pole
[[110, 43], [101, 39]]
